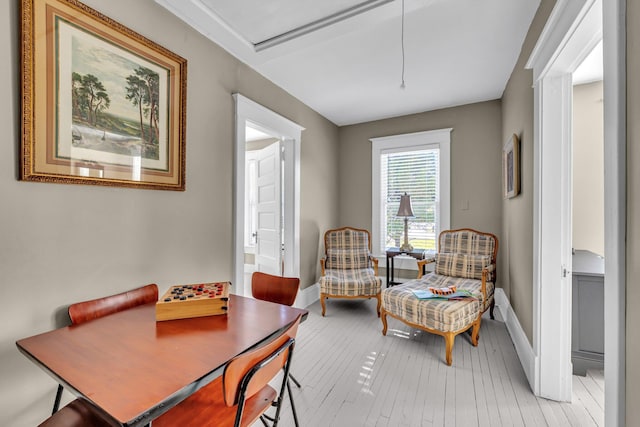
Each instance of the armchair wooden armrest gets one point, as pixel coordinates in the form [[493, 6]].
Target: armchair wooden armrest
[[374, 260], [485, 274], [322, 261], [422, 264]]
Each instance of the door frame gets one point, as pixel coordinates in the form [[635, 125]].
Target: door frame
[[571, 31], [260, 117]]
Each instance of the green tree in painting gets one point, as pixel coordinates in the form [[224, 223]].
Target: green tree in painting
[[151, 80], [143, 92], [136, 94], [89, 97], [79, 103]]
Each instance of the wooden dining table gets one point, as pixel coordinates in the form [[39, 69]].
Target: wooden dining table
[[135, 369]]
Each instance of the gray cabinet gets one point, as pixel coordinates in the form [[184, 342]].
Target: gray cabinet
[[587, 341]]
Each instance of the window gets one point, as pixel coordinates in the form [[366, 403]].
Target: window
[[418, 164]]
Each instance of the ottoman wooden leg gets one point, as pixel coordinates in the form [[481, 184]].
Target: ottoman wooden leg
[[448, 342]]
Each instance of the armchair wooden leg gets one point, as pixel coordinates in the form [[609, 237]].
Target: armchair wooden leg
[[493, 304], [383, 317], [475, 332], [448, 342], [322, 298], [379, 297]]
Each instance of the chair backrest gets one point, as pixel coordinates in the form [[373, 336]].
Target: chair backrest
[[281, 290], [347, 248], [465, 253], [88, 310], [249, 372]]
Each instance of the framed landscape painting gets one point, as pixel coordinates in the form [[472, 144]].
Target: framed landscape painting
[[101, 104], [511, 167]]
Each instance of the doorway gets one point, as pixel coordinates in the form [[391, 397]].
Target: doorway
[[587, 299], [571, 32], [277, 243], [264, 202]]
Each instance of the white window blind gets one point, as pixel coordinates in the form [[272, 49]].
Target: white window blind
[[415, 172], [418, 164]]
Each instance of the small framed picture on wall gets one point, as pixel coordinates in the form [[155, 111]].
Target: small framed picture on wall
[[511, 167]]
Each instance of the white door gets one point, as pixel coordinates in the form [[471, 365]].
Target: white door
[[269, 200]]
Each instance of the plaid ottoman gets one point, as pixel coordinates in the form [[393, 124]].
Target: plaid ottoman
[[438, 316]]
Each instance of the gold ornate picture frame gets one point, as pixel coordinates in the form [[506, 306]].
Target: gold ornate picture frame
[[511, 167], [101, 104]]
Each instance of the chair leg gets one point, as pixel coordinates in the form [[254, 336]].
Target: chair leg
[[293, 406], [383, 317], [56, 403], [475, 331], [448, 342], [322, 297], [295, 381], [379, 297], [493, 304]]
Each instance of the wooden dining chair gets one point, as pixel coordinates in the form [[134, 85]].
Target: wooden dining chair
[[243, 394], [85, 311], [278, 289]]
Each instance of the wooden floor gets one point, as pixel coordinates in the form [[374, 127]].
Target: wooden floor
[[352, 375]]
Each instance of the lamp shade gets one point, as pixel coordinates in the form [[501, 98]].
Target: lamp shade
[[405, 206]]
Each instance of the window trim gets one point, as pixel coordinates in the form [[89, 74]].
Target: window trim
[[440, 138]]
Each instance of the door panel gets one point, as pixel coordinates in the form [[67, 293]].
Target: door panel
[[269, 240]]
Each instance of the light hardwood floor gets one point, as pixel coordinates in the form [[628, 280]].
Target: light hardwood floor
[[352, 375]]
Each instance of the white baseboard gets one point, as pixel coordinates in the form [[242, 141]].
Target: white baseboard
[[307, 296], [519, 338]]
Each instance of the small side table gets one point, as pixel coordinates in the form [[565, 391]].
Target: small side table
[[394, 252]]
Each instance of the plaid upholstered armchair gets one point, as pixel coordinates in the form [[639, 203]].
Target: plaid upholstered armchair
[[466, 258], [348, 268], [466, 261]]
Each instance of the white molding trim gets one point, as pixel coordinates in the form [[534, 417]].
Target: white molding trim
[[307, 296], [565, 19], [518, 337], [248, 111]]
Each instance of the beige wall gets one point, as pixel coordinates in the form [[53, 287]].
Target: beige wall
[[516, 245], [475, 163], [588, 168], [633, 212], [65, 243]]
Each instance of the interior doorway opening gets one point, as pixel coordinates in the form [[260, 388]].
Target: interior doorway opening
[[572, 31], [281, 233], [264, 225], [587, 299]]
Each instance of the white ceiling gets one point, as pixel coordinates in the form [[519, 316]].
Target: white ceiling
[[456, 51]]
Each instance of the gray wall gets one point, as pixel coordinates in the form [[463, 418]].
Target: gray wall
[[65, 243], [516, 245], [475, 163], [633, 212], [588, 168]]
